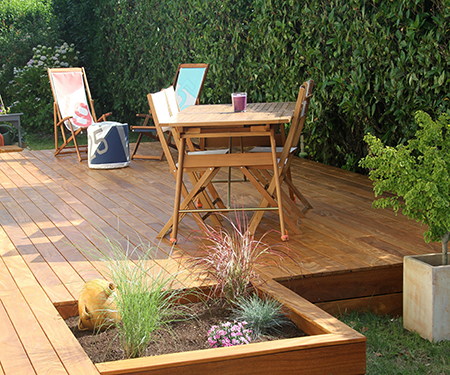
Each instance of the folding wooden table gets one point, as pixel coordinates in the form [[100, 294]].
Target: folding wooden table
[[220, 121]]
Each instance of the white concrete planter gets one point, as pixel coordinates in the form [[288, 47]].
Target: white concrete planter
[[426, 296]]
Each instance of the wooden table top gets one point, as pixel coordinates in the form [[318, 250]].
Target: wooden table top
[[217, 115]]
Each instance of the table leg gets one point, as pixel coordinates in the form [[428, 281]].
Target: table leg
[[176, 206], [18, 131]]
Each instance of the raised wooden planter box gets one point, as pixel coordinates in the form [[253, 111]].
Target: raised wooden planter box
[[331, 348]]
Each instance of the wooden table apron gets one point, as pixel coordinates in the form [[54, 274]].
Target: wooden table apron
[[219, 121]]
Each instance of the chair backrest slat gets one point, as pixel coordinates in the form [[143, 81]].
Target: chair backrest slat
[[298, 120]]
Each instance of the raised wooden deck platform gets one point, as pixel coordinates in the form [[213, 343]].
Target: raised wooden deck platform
[[349, 253]]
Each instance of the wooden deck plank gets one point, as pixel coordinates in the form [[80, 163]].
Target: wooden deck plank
[[346, 234], [101, 219], [94, 235], [89, 184], [45, 336], [319, 175], [411, 244], [47, 278], [353, 251], [36, 345], [363, 213], [42, 241], [72, 238], [147, 214], [55, 211], [13, 358], [61, 231]]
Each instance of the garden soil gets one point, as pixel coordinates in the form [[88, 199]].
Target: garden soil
[[183, 336]]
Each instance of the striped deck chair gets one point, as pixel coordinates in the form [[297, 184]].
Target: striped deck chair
[[73, 108]]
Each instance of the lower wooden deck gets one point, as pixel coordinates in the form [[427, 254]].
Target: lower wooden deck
[[55, 211]]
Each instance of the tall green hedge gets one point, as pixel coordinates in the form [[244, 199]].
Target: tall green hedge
[[23, 25], [375, 63]]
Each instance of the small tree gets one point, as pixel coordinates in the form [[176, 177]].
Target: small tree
[[418, 174]]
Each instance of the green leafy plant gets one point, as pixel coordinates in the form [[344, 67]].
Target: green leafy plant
[[263, 315], [145, 295], [417, 173], [231, 258], [30, 91]]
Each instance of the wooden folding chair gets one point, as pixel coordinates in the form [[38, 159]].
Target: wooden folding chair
[[188, 84], [73, 107], [163, 105], [266, 180], [281, 142]]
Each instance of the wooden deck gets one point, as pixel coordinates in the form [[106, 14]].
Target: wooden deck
[[349, 254]]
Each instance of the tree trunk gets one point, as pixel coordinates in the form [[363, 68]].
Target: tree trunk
[[444, 240]]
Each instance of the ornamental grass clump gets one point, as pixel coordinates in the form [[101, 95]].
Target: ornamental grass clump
[[144, 296], [231, 258], [263, 316]]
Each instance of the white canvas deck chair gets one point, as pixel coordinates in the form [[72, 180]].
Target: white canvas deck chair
[[188, 84], [73, 108]]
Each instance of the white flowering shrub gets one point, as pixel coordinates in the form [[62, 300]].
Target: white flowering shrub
[[30, 90], [23, 25]]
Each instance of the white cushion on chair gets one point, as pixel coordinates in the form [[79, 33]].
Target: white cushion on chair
[[209, 152], [269, 149]]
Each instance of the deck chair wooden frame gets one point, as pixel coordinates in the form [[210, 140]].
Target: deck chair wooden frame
[[161, 104], [73, 108], [267, 181], [187, 93]]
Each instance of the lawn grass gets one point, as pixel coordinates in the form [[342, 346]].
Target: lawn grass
[[392, 350]]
